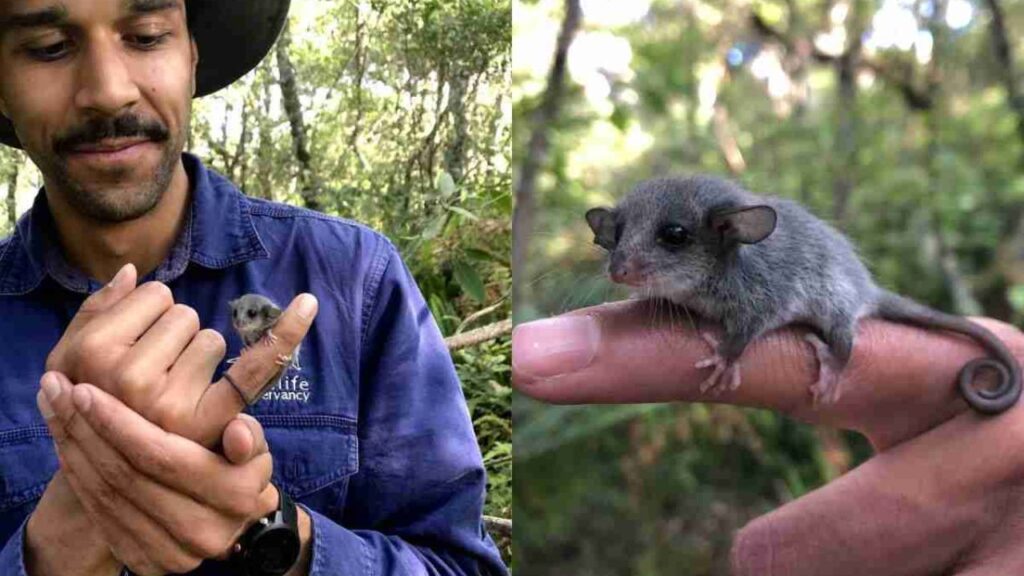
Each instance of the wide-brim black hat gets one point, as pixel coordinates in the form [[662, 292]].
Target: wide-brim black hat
[[233, 36]]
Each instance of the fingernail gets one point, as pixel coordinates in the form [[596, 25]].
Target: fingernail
[[119, 277], [82, 398], [555, 346], [44, 405], [306, 307], [50, 385]]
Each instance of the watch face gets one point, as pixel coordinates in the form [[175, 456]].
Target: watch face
[[274, 552]]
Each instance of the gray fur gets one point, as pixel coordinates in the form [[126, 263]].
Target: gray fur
[[253, 316], [805, 271]]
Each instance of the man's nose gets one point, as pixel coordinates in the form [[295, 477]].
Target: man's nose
[[105, 81]]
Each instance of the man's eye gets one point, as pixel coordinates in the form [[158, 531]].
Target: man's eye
[[673, 236], [50, 51], [147, 40]]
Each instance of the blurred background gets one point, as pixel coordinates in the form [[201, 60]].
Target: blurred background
[[396, 114], [900, 121]]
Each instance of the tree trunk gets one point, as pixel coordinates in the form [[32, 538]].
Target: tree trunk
[[308, 181], [455, 153], [537, 149], [1004, 55], [960, 291]]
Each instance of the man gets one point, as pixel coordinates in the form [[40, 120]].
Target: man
[[129, 248]]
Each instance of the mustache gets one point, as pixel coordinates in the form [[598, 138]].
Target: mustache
[[99, 129]]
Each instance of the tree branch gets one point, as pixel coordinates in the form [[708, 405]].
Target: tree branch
[[537, 149], [479, 335]]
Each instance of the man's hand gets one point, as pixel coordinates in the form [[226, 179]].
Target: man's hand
[[942, 496], [141, 347], [162, 502]]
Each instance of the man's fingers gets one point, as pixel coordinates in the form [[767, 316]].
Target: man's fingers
[[128, 531], [635, 352], [259, 366], [243, 439], [917, 508], [171, 460], [154, 547], [98, 302], [120, 286], [134, 314], [201, 530], [200, 359], [161, 345]]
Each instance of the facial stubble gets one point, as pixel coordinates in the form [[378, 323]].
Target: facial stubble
[[115, 196]]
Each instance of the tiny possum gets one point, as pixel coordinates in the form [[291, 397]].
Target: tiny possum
[[754, 264], [253, 316]]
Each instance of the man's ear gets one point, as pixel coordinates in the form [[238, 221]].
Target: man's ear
[[748, 225], [602, 223], [195, 61]]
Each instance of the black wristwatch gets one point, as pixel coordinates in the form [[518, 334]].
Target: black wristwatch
[[271, 546]]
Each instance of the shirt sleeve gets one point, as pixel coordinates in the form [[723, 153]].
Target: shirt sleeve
[[415, 506], [12, 555]]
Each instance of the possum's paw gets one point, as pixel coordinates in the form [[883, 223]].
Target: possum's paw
[[826, 389], [726, 375]]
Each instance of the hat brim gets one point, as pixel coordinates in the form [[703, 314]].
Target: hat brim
[[232, 36]]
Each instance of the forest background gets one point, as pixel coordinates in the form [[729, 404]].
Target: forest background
[[900, 121], [396, 114]]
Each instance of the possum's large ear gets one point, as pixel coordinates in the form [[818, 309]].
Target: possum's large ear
[[271, 312], [748, 225], [602, 222]]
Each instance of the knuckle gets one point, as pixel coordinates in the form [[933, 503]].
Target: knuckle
[[133, 379], [173, 416], [243, 504], [208, 542], [186, 314], [213, 341], [156, 462], [118, 475], [158, 292], [92, 342], [182, 563]]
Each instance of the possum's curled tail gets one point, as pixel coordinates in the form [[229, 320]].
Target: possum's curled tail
[[904, 310]]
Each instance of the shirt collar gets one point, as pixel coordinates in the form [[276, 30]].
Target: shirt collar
[[218, 233]]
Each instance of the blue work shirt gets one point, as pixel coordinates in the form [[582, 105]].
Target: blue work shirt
[[371, 435]]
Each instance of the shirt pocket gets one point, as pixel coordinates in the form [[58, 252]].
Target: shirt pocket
[[314, 455], [27, 463]]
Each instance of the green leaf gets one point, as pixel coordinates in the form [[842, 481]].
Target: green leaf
[[469, 280], [434, 228], [465, 213], [445, 184]]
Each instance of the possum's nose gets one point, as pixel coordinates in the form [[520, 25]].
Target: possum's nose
[[627, 271]]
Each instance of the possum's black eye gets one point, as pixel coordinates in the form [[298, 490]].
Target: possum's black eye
[[252, 313], [673, 236]]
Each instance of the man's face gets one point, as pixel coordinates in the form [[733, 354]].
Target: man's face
[[100, 94]]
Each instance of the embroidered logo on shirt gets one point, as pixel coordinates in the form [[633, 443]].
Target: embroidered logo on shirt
[[290, 387]]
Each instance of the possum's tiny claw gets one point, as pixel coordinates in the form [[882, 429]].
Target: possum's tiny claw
[[711, 340], [270, 339], [825, 389], [726, 375]]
